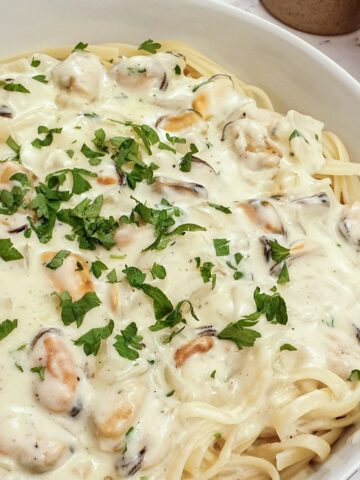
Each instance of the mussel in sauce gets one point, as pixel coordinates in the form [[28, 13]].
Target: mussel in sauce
[[165, 185], [264, 215]]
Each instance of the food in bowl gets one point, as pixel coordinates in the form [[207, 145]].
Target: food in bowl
[[179, 271]]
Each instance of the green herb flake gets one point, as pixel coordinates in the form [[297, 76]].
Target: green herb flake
[[221, 208], [40, 78], [91, 340], [278, 252], [40, 370], [205, 271], [80, 46], [213, 374], [93, 156], [354, 376], [19, 367], [221, 246], [70, 153], [177, 70], [15, 87], [129, 342], [35, 63], [8, 252], [6, 327], [149, 46], [288, 346], [75, 311], [158, 271], [10, 142], [170, 394], [112, 277], [217, 435], [186, 161], [58, 259], [97, 268], [283, 276], [48, 139]]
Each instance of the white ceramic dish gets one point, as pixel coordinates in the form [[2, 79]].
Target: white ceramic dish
[[292, 72]]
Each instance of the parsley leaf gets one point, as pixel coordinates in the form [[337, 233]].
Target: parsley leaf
[[93, 157], [185, 163], [174, 139], [40, 78], [288, 346], [76, 311], [221, 208], [221, 246], [164, 146], [40, 370], [11, 200], [283, 276], [112, 277], [177, 69], [134, 276], [58, 259], [240, 333], [89, 228], [7, 251], [149, 46], [272, 306], [80, 46], [205, 271], [158, 271], [80, 184], [129, 342], [10, 142], [35, 63], [354, 375], [97, 268], [6, 327], [278, 252], [15, 87], [147, 134], [48, 139], [91, 340]]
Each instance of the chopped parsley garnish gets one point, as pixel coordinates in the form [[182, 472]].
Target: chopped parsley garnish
[[6, 327], [129, 342], [58, 259], [206, 274], [40, 370], [75, 311], [168, 338], [93, 156], [40, 78], [19, 367], [283, 276], [221, 208], [91, 340], [10, 142], [99, 140], [97, 268], [272, 306], [288, 346], [221, 246], [164, 146], [112, 277], [185, 163], [149, 46], [213, 374], [48, 139], [165, 314], [173, 139], [7, 251], [354, 375], [11, 200], [295, 133], [158, 271], [80, 46], [241, 332], [162, 219], [278, 252], [35, 63], [170, 394], [177, 69], [237, 259], [15, 87], [80, 184], [90, 229], [70, 153], [147, 134]]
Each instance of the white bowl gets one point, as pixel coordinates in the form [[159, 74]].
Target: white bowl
[[293, 73]]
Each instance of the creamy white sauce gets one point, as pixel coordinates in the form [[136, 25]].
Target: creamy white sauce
[[251, 159]]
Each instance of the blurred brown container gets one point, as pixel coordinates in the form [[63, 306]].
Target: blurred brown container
[[322, 17]]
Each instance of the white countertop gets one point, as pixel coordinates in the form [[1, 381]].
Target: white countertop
[[344, 49]]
